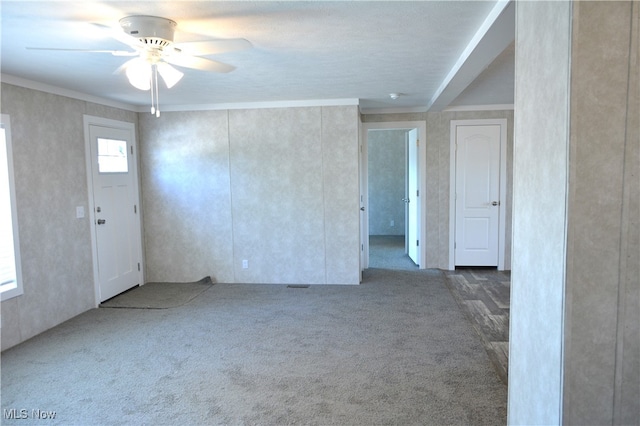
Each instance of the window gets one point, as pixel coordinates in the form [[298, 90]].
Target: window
[[112, 156], [10, 271]]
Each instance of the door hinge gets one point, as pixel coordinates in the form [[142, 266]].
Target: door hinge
[[135, 209], [361, 247], [138, 266], [131, 149], [417, 242], [417, 192]]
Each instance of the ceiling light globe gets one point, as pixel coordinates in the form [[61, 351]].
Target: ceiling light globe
[[139, 74], [169, 74]]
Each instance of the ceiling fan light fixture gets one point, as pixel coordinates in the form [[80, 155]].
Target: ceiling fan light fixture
[[139, 74], [169, 74], [151, 38]]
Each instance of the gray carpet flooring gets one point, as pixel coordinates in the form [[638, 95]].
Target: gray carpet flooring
[[388, 252], [394, 350], [482, 293]]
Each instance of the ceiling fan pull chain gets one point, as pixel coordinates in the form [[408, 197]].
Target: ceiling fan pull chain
[[155, 72], [153, 108]]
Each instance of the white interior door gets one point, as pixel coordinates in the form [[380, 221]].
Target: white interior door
[[116, 222], [477, 195], [413, 197]]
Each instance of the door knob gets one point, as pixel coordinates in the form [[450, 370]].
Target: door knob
[[362, 208], [101, 221], [406, 200], [495, 203]]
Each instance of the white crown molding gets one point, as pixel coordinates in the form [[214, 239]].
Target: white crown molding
[[496, 107], [398, 110], [256, 105], [30, 84]]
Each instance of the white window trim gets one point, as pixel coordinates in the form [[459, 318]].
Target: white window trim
[[15, 291]]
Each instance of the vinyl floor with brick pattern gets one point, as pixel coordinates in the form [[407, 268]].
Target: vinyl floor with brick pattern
[[484, 296]]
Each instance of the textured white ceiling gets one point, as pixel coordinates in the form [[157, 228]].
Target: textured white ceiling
[[302, 50]]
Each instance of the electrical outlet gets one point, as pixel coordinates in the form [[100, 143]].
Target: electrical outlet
[[245, 264], [79, 212]]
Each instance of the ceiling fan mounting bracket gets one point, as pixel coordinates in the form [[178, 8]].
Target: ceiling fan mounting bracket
[[153, 31]]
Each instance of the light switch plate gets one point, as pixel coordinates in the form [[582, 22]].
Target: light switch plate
[[79, 212]]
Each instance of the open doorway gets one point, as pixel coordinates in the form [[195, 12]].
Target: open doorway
[[392, 169], [389, 199]]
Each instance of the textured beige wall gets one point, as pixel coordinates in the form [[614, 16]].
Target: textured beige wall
[[602, 327], [51, 180], [185, 196], [340, 165], [437, 176], [627, 380], [575, 305], [277, 187], [539, 212]]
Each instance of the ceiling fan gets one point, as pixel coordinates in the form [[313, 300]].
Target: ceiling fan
[[154, 52]]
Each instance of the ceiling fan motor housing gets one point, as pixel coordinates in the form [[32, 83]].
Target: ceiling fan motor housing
[[150, 30]]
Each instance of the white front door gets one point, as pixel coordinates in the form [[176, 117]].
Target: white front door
[[477, 195], [413, 204], [116, 222]]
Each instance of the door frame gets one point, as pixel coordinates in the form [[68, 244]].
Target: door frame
[[422, 173], [88, 121], [502, 122]]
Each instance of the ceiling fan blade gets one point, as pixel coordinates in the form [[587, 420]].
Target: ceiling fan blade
[[199, 63], [113, 52], [122, 68], [211, 47]]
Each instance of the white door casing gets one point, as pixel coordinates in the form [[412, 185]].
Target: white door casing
[[478, 167], [113, 206], [364, 218], [413, 197]]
